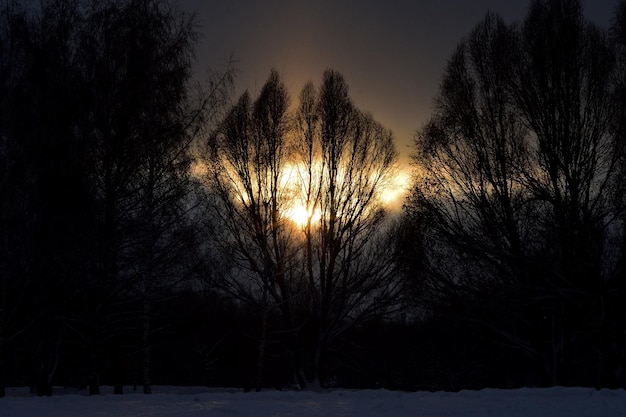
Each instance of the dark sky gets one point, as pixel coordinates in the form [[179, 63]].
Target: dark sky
[[392, 53]]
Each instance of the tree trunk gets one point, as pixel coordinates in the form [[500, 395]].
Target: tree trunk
[[3, 303], [118, 376], [48, 364], [299, 375], [262, 342], [147, 387], [2, 366], [94, 383], [315, 383]]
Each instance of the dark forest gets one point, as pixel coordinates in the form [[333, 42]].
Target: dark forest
[[159, 230]]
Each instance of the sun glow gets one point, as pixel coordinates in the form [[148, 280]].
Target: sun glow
[[394, 191], [391, 195], [301, 216], [292, 191]]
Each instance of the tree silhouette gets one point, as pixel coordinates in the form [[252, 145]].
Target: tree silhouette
[[333, 161], [46, 204], [347, 160], [143, 120], [514, 173], [247, 163], [97, 125]]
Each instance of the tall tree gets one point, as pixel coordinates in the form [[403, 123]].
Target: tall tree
[[12, 61], [563, 87], [347, 159], [142, 121], [617, 284], [328, 269], [248, 158], [469, 201], [45, 159], [515, 168], [97, 125]]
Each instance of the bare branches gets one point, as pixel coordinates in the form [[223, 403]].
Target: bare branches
[[515, 166], [330, 163]]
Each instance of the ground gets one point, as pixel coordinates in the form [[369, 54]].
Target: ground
[[191, 402]]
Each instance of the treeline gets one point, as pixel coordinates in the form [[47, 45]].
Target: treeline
[[96, 122], [155, 230], [518, 202]]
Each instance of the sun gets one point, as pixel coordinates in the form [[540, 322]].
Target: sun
[[390, 194], [301, 216], [394, 191]]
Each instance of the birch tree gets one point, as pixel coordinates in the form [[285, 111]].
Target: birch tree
[[514, 170], [329, 267]]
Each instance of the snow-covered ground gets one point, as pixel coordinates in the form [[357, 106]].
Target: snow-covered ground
[[190, 402]]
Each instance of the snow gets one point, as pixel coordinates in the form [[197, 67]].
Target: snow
[[191, 402]]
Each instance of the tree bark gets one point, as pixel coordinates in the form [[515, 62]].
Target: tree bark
[[147, 387], [262, 343], [2, 365], [94, 383]]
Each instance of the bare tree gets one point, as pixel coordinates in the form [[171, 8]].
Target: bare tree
[[347, 159], [11, 259], [471, 210], [514, 171], [42, 222], [470, 152], [143, 116], [247, 163], [563, 87], [330, 269], [97, 118]]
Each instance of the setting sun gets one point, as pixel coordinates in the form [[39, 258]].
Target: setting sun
[[300, 215], [393, 192], [390, 195]]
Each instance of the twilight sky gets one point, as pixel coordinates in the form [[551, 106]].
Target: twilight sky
[[392, 53]]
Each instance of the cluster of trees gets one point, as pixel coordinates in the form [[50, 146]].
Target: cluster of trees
[[152, 232], [331, 161], [124, 193], [96, 120], [518, 202]]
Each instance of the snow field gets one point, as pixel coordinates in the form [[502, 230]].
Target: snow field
[[192, 402]]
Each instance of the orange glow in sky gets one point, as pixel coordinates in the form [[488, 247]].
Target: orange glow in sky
[[391, 193], [300, 215]]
